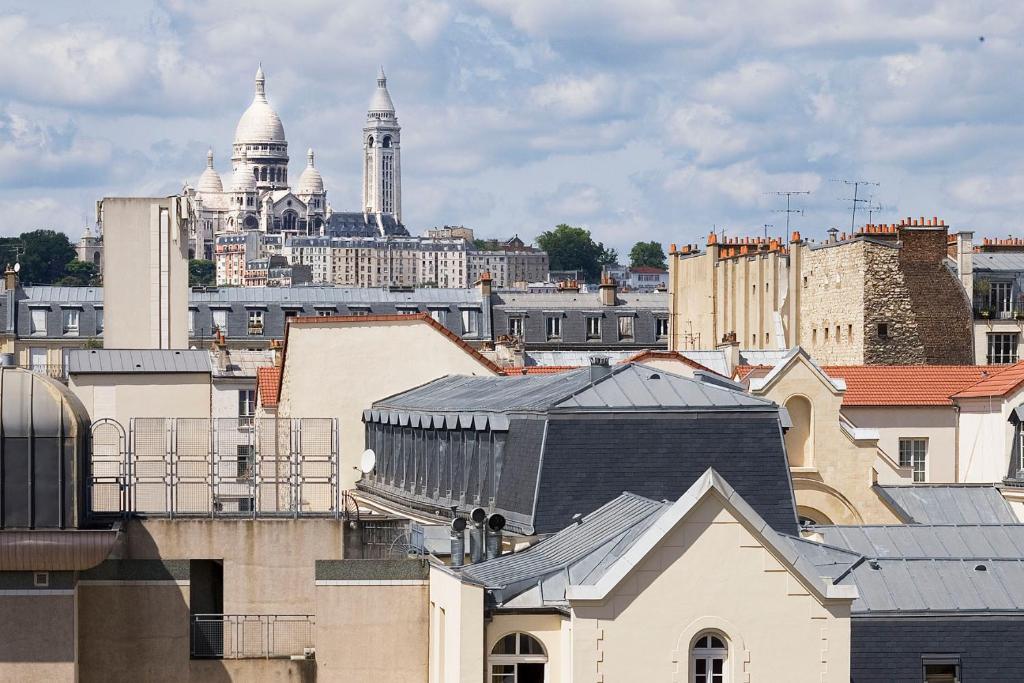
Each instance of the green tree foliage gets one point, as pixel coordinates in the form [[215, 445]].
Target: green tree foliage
[[572, 248], [201, 273], [80, 274], [44, 256], [647, 254]]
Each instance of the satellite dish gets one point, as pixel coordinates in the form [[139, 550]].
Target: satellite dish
[[17, 267], [367, 461]]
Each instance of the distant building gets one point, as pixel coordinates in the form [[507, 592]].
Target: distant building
[[510, 264], [90, 249], [451, 232], [995, 271], [885, 295]]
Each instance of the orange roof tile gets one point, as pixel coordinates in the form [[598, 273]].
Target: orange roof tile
[[745, 372], [267, 380], [540, 370], [651, 354], [999, 382], [904, 385]]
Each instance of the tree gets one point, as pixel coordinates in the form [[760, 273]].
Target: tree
[[572, 248], [80, 274], [201, 273], [647, 254], [45, 255]]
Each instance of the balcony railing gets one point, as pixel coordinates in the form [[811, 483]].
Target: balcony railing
[[252, 636], [52, 370]]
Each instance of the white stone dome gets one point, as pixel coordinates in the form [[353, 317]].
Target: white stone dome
[[243, 179], [310, 182], [209, 181], [381, 101], [259, 123]]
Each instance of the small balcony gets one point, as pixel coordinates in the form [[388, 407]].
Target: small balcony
[[255, 329], [252, 636], [55, 371]]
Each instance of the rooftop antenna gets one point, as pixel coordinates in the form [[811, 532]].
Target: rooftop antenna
[[876, 208], [789, 194], [855, 199], [766, 226]]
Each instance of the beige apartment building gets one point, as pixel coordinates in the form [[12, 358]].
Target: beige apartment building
[[884, 295], [379, 262]]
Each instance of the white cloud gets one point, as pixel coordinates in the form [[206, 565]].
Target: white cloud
[[573, 201]]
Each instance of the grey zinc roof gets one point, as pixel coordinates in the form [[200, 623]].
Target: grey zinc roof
[[625, 387], [929, 541], [333, 295], [948, 504], [916, 585], [580, 552], [999, 261], [138, 361], [588, 300], [242, 363], [56, 294]]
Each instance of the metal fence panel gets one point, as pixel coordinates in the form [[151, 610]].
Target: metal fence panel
[[251, 636], [192, 479], [150, 465], [108, 477], [276, 493], [317, 466], [234, 467]]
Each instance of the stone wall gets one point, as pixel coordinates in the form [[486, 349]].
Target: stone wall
[[831, 288], [891, 335], [941, 307]]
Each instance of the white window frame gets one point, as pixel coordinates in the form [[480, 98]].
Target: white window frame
[[1001, 348], [440, 315], [99, 320], [220, 314], [255, 322], [626, 327], [594, 327], [71, 319], [553, 326], [516, 325], [506, 660], [661, 328], [709, 655], [470, 322], [37, 318], [914, 454]]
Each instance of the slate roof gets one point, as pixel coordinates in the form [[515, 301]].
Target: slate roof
[[242, 363], [1004, 541], [334, 295], [998, 261], [357, 224], [998, 382], [904, 385], [138, 361], [58, 294], [587, 300], [948, 504], [625, 387]]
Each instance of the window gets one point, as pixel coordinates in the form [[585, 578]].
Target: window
[[41, 579], [470, 322], [515, 327], [707, 659], [99, 320], [39, 321], [191, 322], [1002, 348], [941, 668], [554, 327], [883, 330], [246, 405], [661, 328], [37, 359], [439, 315], [913, 453], [220, 321], [71, 321], [1000, 299], [244, 462], [255, 322], [593, 328], [518, 658], [626, 327]]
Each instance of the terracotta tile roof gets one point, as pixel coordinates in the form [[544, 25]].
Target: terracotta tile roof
[[540, 370], [745, 372], [267, 381], [904, 385], [999, 382], [651, 354], [421, 317]]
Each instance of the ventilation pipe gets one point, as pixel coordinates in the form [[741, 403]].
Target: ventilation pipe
[[476, 535], [495, 523], [458, 539], [599, 367]]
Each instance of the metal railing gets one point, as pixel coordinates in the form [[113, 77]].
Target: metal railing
[[52, 370], [252, 636], [249, 467]]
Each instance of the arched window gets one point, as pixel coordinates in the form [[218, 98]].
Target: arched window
[[96, 257], [707, 659], [799, 438], [386, 142], [263, 173], [369, 141], [518, 658], [289, 219]]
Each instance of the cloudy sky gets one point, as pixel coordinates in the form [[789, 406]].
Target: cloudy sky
[[639, 119]]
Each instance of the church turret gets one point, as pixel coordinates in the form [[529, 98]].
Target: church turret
[[382, 170]]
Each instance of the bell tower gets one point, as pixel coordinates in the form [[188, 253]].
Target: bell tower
[[382, 168]]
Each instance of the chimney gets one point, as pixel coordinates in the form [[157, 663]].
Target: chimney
[[731, 346], [965, 260], [10, 278], [484, 284], [278, 349], [607, 290], [476, 535], [495, 523], [832, 232], [220, 348], [458, 538], [599, 367]]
